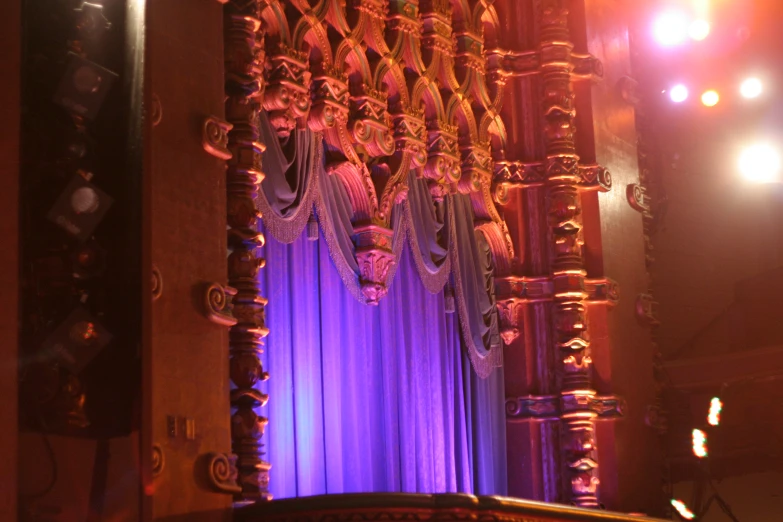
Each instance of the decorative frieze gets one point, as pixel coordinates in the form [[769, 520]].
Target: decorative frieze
[[287, 95], [330, 100], [370, 123], [443, 158], [410, 135]]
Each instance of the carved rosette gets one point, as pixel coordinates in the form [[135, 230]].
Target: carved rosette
[[370, 123], [443, 158], [287, 96], [288, 100], [567, 264], [375, 257]]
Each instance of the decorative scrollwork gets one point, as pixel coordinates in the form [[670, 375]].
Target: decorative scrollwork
[[218, 306], [157, 283], [222, 473], [214, 137], [156, 110], [158, 460], [637, 197]]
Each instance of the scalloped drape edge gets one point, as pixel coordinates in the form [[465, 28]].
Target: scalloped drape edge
[[433, 281], [482, 364], [287, 229], [348, 275]]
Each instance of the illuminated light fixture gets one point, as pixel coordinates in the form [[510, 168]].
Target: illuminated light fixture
[[713, 417], [671, 28], [751, 88], [699, 30], [699, 443], [682, 509], [678, 93], [760, 163], [710, 98]]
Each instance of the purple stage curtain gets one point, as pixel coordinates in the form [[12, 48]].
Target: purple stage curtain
[[372, 399]]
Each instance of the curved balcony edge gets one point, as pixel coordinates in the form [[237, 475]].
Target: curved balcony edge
[[357, 507]]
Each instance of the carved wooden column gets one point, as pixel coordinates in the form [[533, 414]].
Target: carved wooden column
[[244, 89], [566, 262]]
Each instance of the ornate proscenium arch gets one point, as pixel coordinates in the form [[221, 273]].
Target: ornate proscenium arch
[[393, 86], [403, 88]]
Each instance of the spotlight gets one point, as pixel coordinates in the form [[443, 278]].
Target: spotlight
[[751, 88], [760, 163], [710, 98], [671, 28], [678, 93], [682, 509], [699, 30], [699, 439], [713, 418]]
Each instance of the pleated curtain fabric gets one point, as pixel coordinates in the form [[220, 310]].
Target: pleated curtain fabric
[[372, 399]]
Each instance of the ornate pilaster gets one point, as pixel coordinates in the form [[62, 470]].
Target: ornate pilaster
[[566, 261], [244, 89]]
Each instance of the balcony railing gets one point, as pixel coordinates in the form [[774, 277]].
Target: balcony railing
[[413, 507]]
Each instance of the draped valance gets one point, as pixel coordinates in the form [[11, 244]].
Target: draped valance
[[449, 249]]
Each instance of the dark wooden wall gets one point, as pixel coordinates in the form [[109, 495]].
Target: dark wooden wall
[[629, 450], [10, 60], [185, 355]]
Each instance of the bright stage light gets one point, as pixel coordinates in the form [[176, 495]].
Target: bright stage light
[[713, 417], [699, 30], [699, 439], [751, 88], [682, 509], [760, 163], [671, 28], [710, 98], [678, 93]]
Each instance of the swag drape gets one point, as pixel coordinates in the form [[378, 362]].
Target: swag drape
[[402, 396], [369, 399], [441, 235]]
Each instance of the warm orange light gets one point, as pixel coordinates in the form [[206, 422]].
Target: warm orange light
[[682, 509], [710, 98]]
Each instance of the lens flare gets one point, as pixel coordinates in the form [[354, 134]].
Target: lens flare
[[760, 163], [710, 98], [678, 93], [671, 28], [699, 30], [751, 88]]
